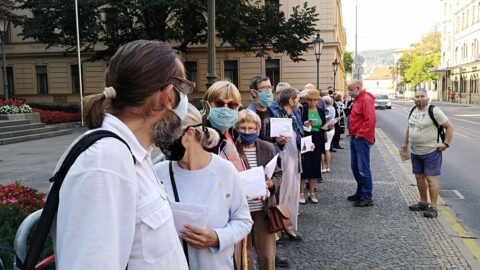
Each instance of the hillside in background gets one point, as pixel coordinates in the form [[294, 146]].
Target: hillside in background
[[375, 59]]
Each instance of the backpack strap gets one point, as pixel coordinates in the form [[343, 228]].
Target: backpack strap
[[440, 129], [51, 205], [430, 113], [411, 111]]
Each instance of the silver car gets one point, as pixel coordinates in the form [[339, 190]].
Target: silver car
[[382, 102]]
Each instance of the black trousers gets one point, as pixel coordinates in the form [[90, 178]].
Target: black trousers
[[336, 136]]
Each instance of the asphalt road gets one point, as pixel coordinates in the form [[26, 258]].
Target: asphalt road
[[461, 166]]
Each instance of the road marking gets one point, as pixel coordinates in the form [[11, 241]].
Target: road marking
[[460, 230], [468, 115]]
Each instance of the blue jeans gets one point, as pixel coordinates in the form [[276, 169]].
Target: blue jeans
[[360, 163]]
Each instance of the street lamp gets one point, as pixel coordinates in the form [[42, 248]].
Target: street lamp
[[335, 64], [3, 30], [318, 47]]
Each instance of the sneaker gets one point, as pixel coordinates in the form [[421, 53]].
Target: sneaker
[[363, 203], [324, 170], [301, 200], [311, 197], [420, 206], [327, 170], [353, 198], [281, 262], [430, 212]]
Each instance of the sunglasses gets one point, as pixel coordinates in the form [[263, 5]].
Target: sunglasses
[[231, 104]]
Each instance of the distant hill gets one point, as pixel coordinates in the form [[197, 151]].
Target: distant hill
[[375, 59]]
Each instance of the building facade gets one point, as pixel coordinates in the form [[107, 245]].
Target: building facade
[[51, 76], [460, 57]]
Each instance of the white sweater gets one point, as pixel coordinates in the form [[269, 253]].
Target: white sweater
[[216, 186]]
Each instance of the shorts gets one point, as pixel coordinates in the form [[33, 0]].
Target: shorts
[[429, 164]]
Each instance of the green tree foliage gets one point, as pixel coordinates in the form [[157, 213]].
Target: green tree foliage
[[107, 24], [414, 63], [348, 61]]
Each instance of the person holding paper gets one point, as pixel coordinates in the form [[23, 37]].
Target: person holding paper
[[206, 179], [313, 117], [290, 157], [262, 96], [329, 114], [256, 152]]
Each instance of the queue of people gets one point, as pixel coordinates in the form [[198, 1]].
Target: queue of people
[[133, 207]]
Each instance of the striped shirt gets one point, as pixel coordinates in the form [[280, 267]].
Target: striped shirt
[[251, 154]]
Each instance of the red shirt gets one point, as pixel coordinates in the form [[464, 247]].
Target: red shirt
[[363, 117]]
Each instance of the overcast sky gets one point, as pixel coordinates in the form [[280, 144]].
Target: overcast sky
[[385, 24]]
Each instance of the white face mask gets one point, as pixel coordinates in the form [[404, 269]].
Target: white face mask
[[181, 109]]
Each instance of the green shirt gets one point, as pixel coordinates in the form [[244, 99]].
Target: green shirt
[[317, 121]]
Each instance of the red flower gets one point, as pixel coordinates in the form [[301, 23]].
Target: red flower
[[26, 198]]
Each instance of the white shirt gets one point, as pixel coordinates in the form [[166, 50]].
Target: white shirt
[[422, 131], [218, 187], [113, 212]]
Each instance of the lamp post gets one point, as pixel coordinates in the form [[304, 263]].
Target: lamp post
[[318, 47], [211, 74], [3, 30], [335, 68]]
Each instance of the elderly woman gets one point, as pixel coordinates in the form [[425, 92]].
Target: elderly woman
[[290, 157], [256, 152], [221, 102], [329, 114], [314, 119], [203, 178]]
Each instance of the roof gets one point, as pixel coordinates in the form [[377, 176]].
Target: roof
[[382, 73]]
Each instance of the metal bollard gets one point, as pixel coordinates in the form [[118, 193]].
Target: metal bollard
[[20, 243]]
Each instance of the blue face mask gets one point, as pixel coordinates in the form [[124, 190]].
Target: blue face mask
[[247, 138], [222, 118], [265, 98]]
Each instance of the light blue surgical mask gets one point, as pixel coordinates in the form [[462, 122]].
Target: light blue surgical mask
[[222, 118], [265, 98]]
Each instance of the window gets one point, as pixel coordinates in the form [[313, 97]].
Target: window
[[230, 71], [42, 79], [192, 72], [272, 70], [111, 17], [75, 78], [10, 87]]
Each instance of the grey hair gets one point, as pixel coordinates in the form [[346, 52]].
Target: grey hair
[[328, 100], [281, 86], [356, 83], [287, 94]]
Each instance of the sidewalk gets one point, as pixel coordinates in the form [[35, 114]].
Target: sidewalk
[[338, 235]]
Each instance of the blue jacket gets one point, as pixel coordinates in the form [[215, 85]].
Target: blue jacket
[[279, 112]]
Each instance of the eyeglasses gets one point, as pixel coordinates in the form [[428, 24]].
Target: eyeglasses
[[231, 104], [247, 129], [265, 89], [183, 85]]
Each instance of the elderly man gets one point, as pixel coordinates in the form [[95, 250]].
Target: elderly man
[[362, 132], [426, 149]]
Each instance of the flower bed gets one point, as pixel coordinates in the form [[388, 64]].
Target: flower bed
[[14, 106], [56, 117], [16, 203]]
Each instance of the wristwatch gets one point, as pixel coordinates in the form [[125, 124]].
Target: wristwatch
[[446, 144]]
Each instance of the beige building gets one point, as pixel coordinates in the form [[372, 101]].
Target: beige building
[[51, 76], [460, 68]]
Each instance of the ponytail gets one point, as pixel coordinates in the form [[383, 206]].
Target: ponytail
[[94, 110]]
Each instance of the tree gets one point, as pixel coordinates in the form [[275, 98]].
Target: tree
[[248, 27], [414, 64], [348, 61]]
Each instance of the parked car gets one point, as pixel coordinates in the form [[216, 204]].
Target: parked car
[[382, 102]]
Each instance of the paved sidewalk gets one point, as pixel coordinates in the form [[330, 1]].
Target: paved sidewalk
[[338, 235]]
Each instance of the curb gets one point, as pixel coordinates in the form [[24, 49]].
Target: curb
[[457, 232]]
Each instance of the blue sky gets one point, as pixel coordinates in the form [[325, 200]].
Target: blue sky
[[385, 24]]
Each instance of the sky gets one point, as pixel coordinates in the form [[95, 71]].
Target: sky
[[389, 24]]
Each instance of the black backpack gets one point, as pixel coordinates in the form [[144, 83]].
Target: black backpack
[[440, 129], [51, 204]]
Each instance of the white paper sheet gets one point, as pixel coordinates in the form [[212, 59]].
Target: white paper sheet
[[187, 213], [253, 182], [270, 167], [306, 144], [332, 121], [281, 126]]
